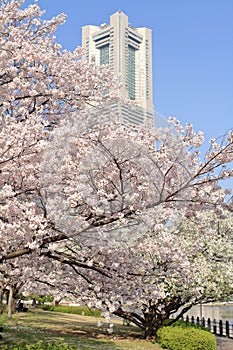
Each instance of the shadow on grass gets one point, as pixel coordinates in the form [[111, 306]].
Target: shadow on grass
[[13, 336], [78, 331], [82, 326]]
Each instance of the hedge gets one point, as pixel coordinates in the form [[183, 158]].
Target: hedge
[[184, 324], [185, 338], [77, 310]]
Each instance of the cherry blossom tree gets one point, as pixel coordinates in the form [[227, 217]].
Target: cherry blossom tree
[[168, 269], [147, 212], [117, 171], [167, 272], [126, 209], [40, 83]]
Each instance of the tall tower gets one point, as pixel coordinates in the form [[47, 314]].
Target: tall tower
[[128, 53]]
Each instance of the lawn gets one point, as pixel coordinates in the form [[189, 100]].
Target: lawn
[[79, 331]]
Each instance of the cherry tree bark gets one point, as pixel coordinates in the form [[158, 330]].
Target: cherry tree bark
[[11, 302]]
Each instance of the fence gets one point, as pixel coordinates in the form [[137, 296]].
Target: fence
[[223, 329]]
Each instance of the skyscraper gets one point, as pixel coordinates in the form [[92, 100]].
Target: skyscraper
[[128, 53]]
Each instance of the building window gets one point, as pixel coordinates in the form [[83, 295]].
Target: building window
[[130, 82], [104, 54]]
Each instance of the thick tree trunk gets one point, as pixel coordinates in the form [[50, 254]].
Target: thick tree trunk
[[152, 324], [148, 323], [150, 332], [10, 304]]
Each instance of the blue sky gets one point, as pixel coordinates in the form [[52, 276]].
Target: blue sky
[[192, 52]]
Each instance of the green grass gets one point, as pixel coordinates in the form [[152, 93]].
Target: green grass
[[79, 331]]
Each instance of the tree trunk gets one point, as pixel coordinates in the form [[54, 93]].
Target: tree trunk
[[10, 304], [151, 327], [150, 332], [1, 301], [153, 321]]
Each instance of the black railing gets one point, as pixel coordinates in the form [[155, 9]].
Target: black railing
[[223, 329]]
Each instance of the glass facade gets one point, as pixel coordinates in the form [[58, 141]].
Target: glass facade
[[130, 82], [104, 54]]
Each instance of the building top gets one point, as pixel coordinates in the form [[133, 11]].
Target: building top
[[128, 53]]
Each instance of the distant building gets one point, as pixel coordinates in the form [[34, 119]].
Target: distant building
[[128, 52]]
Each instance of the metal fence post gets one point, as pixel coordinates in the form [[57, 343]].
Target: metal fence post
[[214, 326], [209, 324], [220, 328], [227, 329]]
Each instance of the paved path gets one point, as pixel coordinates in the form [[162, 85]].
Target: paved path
[[224, 343]]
